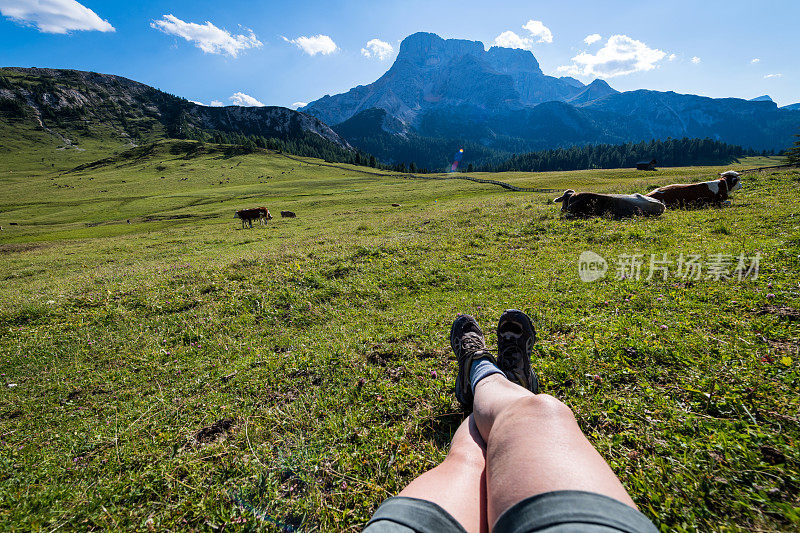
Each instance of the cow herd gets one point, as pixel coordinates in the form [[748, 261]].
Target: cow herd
[[247, 216], [590, 204], [654, 203], [260, 214]]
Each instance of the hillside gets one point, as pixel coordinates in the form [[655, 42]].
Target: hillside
[[164, 369], [390, 140], [669, 153], [74, 107]]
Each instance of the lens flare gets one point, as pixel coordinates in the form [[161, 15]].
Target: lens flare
[[457, 160]]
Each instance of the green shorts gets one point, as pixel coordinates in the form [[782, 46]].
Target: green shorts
[[565, 511]]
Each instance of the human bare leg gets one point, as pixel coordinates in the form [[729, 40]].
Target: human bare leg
[[458, 483], [534, 444]]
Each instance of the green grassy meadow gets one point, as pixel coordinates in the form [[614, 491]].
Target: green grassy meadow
[[163, 369]]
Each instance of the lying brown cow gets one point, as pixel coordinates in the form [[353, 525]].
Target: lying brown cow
[[591, 204], [288, 214], [713, 192], [261, 214]]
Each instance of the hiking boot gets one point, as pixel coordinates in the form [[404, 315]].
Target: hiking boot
[[466, 339], [515, 338]]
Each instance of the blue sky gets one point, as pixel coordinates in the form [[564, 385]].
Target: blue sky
[[280, 53]]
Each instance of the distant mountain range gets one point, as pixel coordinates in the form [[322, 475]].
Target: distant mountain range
[[500, 99], [72, 104], [438, 96]]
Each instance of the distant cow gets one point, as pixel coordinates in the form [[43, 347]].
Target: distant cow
[[590, 204], [247, 216], [288, 214], [713, 192]]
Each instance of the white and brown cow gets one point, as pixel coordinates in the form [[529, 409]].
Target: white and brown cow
[[247, 216], [590, 204], [714, 192]]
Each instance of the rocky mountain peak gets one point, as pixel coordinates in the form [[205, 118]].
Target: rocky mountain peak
[[430, 49], [600, 84], [594, 91], [512, 60], [432, 73]]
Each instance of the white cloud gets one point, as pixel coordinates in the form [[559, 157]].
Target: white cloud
[[207, 37], [297, 105], [539, 31], [318, 44], [696, 60], [672, 57], [593, 38], [776, 75], [214, 103], [245, 100], [755, 60], [54, 16], [509, 39], [620, 56], [377, 49], [539, 34]]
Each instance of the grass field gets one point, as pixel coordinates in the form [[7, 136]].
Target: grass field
[[314, 350]]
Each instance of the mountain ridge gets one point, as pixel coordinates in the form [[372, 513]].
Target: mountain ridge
[[72, 103]]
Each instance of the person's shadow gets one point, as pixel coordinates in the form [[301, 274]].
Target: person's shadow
[[440, 428]]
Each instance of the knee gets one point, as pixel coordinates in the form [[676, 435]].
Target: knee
[[538, 409], [467, 446], [467, 457]]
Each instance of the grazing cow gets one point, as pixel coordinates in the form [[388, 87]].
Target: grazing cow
[[590, 204], [713, 192], [288, 214], [265, 215], [247, 216]]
